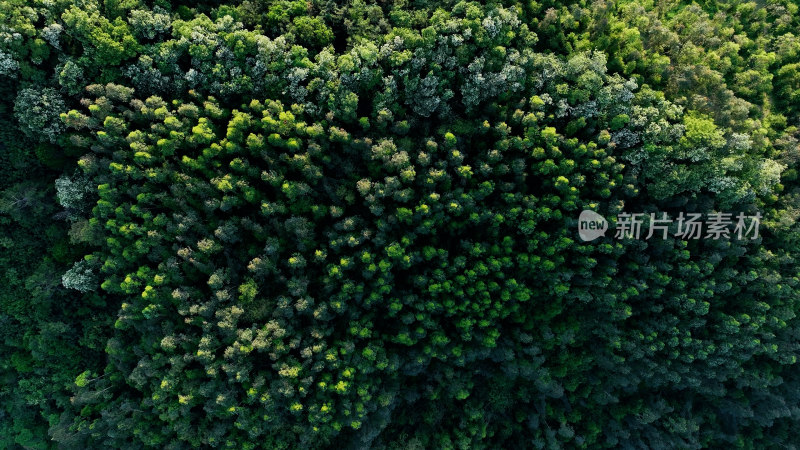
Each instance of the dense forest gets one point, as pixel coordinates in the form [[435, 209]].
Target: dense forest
[[302, 224]]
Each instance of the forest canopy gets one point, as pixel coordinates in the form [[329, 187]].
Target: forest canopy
[[354, 224]]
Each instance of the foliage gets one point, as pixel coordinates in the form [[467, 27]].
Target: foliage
[[291, 224]]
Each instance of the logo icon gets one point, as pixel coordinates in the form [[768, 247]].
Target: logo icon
[[591, 225]]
